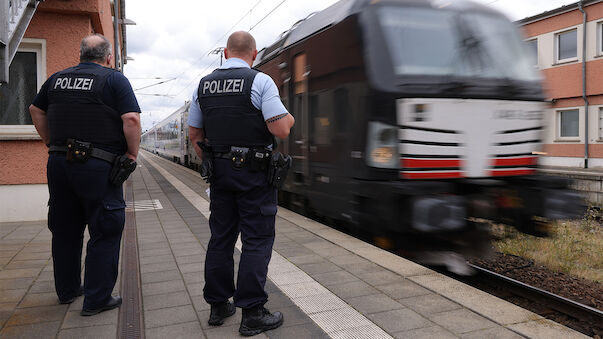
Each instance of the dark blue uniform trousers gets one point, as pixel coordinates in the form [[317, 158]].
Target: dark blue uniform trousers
[[240, 201], [80, 195]]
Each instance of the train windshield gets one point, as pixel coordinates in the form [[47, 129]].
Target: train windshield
[[427, 41]]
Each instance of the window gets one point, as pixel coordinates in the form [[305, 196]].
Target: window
[[568, 123], [20, 91], [27, 72], [567, 46], [600, 38], [533, 51]]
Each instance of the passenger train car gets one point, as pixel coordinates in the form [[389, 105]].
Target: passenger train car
[[415, 119], [169, 138]]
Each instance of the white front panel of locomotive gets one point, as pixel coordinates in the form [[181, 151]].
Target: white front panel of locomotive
[[472, 130]]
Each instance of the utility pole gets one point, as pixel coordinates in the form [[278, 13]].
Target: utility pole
[[219, 50]]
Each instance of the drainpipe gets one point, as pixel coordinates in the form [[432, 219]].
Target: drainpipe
[[116, 34], [584, 83]]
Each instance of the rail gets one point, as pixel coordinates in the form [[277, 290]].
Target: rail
[[556, 302]]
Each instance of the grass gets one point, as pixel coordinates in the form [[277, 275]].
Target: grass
[[575, 246]]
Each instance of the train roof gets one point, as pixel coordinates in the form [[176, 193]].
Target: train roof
[[172, 116], [337, 12]]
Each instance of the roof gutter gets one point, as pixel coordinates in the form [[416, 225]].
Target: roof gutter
[[584, 97]]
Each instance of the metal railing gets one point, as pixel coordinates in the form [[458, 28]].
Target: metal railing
[[15, 16]]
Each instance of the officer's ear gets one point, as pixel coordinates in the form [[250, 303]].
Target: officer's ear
[[255, 55], [226, 53], [110, 60]]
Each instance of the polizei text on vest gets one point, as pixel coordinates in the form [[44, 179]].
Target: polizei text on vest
[[82, 84], [223, 86]]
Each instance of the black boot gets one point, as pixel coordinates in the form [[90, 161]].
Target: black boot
[[258, 319], [219, 312]]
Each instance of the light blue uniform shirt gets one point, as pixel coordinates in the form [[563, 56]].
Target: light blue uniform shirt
[[264, 96]]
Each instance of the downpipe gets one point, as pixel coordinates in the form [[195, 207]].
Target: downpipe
[[584, 97], [116, 35]]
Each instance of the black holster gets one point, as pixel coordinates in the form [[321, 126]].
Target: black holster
[[122, 168], [279, 167], [207, 162], [78, 150]]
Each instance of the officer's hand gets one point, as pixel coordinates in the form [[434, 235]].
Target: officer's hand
[[133, 157]]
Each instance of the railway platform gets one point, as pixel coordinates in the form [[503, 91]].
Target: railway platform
[[326, 283]]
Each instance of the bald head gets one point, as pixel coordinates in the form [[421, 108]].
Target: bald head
[[241, 45], [95, 48]]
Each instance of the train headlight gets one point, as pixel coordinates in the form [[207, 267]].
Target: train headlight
[[382, 145], [383, 155]]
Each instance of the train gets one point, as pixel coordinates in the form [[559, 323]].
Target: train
[[416, 121]]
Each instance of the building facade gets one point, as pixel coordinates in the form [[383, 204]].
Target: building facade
[[49, 44], [567, 44]]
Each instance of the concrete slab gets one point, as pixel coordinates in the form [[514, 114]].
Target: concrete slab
[[352, 289], [39, 299], [45, 330], [480, 302], [170, 316], [73, 319], [160, 276], [429, 304], [495, 333], [399, 320], [374, 303], [154, 302], [25, 316], [162, 287], [190, 330], [94, 332], [462, 321], [426, 333], [544, 328], [403, 288]]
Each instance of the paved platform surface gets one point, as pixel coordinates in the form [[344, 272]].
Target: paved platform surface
[[326, 283]]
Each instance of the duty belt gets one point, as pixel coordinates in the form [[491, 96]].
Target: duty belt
[[95, 153], [238, 151], [256, 159]]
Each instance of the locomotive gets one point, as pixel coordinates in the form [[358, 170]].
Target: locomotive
[[416, 120]]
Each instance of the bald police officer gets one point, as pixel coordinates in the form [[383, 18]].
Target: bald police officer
[[238, 111], [87, 115]]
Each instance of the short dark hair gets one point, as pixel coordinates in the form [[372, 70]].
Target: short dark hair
[[91, 51]]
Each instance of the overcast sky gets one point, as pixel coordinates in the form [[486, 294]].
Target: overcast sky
[[171, 40]]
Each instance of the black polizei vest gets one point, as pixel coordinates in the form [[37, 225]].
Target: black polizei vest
[[229, 117], [76, 109]]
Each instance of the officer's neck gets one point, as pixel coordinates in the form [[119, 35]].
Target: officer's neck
[[247, 60]]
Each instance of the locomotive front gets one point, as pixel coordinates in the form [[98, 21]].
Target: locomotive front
[[465, 114]]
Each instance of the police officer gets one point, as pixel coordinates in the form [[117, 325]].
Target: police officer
[[87, 115], [238, 110]]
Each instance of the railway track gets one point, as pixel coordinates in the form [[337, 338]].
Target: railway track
[[573, 309]]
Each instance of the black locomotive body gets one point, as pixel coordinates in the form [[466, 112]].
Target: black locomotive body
[[408, 130]]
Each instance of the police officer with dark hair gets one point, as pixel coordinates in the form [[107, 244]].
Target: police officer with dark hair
[[237, 111], [89, 118]]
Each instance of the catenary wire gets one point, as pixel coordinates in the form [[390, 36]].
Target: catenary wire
[[217, 41], [208, 67]]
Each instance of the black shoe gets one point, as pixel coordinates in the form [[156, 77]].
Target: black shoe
[[258, 319], [79, 292], [111, 304], [219, 312]]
